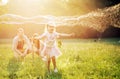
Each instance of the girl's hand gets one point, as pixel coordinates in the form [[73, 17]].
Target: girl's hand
[[21, 55]]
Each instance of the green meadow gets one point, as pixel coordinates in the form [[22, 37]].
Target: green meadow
[[80, 59]]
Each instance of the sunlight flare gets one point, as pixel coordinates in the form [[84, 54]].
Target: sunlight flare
[[3, 2]]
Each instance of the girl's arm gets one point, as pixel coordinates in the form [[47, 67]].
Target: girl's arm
[[14, 47], [29, 45], [41, 36], [66, 35]]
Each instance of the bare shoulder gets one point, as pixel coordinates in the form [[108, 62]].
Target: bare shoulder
[[15, 38], [25, 37]]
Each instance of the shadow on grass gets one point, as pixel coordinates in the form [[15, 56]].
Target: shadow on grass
[[110, 41], [13, 67], [53, 75]]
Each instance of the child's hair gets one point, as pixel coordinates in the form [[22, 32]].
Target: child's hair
[[52, 24], [35, 35]]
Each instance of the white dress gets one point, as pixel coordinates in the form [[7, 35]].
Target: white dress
[[50, 49]]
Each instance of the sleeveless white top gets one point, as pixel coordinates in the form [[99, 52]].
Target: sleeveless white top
[[50, 39]]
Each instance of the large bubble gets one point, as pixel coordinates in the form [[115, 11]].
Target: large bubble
[[99, 20]]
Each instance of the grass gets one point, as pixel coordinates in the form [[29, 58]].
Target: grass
[[80, 59]]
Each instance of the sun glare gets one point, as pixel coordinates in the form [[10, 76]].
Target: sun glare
[[3, 2], [26, 7]]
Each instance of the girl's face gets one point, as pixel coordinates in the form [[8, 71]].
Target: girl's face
[[20, 33], [51, 29]]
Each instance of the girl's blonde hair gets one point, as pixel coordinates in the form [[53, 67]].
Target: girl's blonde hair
[[35, 35], [52, 24]]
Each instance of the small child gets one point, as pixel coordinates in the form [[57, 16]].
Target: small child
[[50, 50], [37, 45]]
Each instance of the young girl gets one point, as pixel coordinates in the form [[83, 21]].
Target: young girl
[[19, 42], [50, 50], [37, 45]]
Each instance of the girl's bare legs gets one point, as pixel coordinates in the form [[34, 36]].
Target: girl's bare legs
[[54, 63], [48, 64]]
